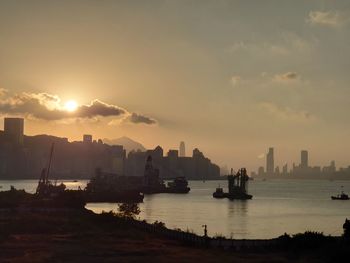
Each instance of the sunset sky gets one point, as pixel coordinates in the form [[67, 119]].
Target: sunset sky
[[229, 77]]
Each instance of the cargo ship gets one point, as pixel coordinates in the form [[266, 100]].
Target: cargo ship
[[153, 184], [109, 187]]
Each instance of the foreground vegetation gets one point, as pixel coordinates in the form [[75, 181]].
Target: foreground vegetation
[[82, 236]]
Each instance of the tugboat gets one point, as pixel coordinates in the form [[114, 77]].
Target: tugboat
[[219, 193], [341, 196], [237, 187], [179, 185]]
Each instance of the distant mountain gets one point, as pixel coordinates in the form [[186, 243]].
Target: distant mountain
[[127, 143]]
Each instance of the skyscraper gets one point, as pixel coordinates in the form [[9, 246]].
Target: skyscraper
[[304, 159], [13, 130], [182, 149], [270, 166], [87, 138]]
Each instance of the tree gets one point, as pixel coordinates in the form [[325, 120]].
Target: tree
[[128, 210]]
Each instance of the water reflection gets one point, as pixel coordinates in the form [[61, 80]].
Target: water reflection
[[237, 208]]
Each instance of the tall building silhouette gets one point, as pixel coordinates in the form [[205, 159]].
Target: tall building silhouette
[[13, 130], [87, 138], [182, 149], [270, 166], [304, 159]]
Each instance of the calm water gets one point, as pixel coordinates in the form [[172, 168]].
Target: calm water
[[278, 206]]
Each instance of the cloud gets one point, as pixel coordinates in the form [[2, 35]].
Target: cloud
[[98, 108], [259, 48], [137, 118], [44, 106], [261, 156], [3, 92], [286, 113], [328, 18], [286, 76], [288, 43], [235, 80]]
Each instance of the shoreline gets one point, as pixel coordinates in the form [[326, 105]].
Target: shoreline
[[81, 235]]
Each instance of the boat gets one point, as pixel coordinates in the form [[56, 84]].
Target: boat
[[179, 186], [341, 196], [48, 195], [237, 186], [154, 184], [53, 195], [114, 188], [219, 193]]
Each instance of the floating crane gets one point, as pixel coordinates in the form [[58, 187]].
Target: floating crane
[[237, 186], [45, 188]]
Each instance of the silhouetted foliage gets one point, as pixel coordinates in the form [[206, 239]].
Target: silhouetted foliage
[[159, 224], [346, 228], [128, 210]]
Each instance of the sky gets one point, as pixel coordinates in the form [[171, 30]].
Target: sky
[[229, 77]]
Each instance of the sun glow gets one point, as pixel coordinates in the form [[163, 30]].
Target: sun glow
[[71, 105]]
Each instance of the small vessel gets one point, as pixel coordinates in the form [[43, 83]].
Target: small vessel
[[237, 187], [219, 193], [179, 185], [341, 196]]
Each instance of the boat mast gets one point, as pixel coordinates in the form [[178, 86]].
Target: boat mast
[[49, 164]]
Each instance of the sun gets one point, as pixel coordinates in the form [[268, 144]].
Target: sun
[[71, 105]]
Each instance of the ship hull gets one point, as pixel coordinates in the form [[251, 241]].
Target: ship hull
[[339, 198], [240, 196]]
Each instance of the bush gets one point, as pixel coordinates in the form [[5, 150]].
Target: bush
[[128, 210]]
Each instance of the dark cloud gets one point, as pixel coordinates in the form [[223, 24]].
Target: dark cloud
[[40, 106], [286, 76], [137, 118], [98, 108], [48, 107]]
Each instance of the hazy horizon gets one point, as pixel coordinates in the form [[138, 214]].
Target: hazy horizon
[[232, 78]]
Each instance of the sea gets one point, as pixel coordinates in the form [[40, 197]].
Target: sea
[[277, 207]]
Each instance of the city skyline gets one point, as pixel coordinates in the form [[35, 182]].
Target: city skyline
[[300, 169], [14, 133]]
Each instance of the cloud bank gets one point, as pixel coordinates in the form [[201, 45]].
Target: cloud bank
[[286, 76], [325, 18], [286, 113], [48, 107]]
